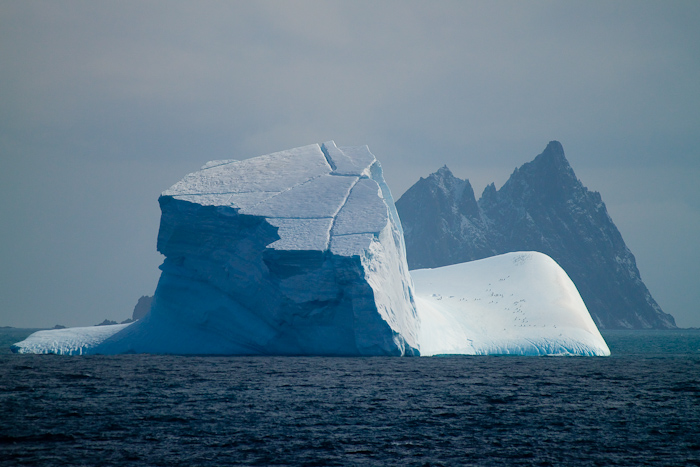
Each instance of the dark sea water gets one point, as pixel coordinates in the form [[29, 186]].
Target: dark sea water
[[640, 406]]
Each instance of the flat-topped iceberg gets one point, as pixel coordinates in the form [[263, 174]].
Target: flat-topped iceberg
[[301, 252], [293, 253]]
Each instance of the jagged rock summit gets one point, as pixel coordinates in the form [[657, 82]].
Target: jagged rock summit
[[542, 207]]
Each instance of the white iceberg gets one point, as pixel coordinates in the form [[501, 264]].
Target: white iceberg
[[513, 304], [301, 252], [294, 253]]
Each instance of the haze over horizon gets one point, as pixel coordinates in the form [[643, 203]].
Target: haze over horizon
[[105, 105]]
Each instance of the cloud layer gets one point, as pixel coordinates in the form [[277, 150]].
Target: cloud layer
[[106, 104]]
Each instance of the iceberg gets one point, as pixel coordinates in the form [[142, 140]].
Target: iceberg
[[301, 252], [520, 303]]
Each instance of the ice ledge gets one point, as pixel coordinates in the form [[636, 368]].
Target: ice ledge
[[68, 341], [354, 160]]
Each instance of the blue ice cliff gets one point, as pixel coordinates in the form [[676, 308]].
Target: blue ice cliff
[[301, 252]]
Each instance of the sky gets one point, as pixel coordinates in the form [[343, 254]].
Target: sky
[[104, 105]]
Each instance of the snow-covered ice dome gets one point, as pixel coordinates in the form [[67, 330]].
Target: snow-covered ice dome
[[513, 304], [301, 252]]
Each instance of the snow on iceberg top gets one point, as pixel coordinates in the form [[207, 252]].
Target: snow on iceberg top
[[318, 196]]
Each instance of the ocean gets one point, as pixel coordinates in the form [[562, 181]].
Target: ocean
[[640, 406]]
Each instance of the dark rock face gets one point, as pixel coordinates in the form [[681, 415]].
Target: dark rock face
[[143, 306], [107, 322], [542, 207]]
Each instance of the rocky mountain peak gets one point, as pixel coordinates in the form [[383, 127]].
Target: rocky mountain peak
[[489, 192], [542, 207], [548, 178], [454, 192], [551, 162], [443, 172], [443, 180], [554, 149]]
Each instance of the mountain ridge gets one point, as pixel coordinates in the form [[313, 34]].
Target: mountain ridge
[[542, 207]]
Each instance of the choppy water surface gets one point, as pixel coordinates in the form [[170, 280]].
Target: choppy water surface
[[638, 407]]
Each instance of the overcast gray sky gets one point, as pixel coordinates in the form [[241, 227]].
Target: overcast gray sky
[[103, 105]]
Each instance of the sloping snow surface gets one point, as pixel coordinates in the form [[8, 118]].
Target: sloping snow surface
[[301, 252], [67, 341], [517, 303]]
